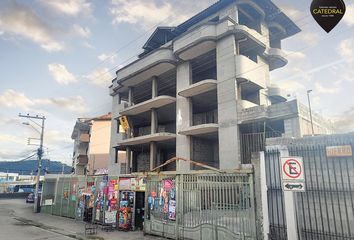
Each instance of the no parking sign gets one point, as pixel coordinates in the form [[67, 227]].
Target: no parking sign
[[292, 171]]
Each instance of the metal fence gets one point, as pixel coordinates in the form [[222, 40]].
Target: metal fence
[[207, 206], [60, 195], [326, 209], [254, 143]]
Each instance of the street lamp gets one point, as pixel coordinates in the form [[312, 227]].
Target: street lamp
[[308, 99], [39, 154]]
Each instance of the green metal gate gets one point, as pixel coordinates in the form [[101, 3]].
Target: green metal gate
[[207, 205]]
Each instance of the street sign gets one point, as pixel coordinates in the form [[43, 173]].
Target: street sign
[[339, 151], [294, 186], [292, 168], [124, 122], [292, 172]]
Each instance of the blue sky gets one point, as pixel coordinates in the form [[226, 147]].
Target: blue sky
[[58, 57]]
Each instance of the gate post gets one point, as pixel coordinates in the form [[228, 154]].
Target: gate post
[[289, 204], [260, 194]]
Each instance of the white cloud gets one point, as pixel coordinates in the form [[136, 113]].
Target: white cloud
[[10, 138], [21, 21], [13, 99], [61, 74], [5, 120], [56, 137], [349, 15], [69, 7], [88, 45], [345, 122], [322, 89], [107, 57], [73, 104], [144, 13], [84, 32], [291, 86], [100, 77], [290, 11], [295, 55], [346, 49], [308, 38], [10, 98]]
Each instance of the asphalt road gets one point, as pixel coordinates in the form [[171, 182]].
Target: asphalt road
[[13, 227]]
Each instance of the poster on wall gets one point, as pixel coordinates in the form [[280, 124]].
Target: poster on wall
[[124, 184], [138, 184], [110, 217], [172, 210], [98, 213]]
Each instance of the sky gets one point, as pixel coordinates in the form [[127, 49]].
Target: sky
[[58, 57]]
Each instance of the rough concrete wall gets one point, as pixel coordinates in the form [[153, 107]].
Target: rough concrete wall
[[292, 127], [165, 155], [143, 162], [204, 151], [205, 117]]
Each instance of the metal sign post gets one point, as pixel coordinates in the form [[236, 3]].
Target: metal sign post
[[293, 177], [291, 172]]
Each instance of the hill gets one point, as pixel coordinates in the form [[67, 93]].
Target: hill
[[30, 166]]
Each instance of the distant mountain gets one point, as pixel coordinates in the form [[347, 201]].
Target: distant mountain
[[30, 166]]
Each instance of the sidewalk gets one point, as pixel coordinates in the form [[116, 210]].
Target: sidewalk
[[70, 227]]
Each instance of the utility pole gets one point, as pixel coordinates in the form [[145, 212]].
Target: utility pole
[[39, 154], [310, 110]]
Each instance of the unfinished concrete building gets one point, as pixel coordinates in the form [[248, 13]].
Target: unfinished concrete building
[[202, 91]]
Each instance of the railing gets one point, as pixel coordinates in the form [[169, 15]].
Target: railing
[[326, 209]]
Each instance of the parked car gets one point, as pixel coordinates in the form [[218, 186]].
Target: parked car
[[30, 198]]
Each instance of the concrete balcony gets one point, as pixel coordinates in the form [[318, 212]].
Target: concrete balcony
[[81, 160], [117, 108], [200, 129], [156, 137], [196, 42], [276, 94], [84, 138], [156, 102], [247, 104], [282, 110], [276, 58], [199, 88], [154, 64], [203, 38], [250, 71]]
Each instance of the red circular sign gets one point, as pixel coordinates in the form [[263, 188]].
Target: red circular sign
[[290, 170]]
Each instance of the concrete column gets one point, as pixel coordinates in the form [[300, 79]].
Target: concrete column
[[153, 148], [229, 146], [153, 155], [113, 167], [119, 99], [128, 157], [263, 98], [130, 96], [154, 121], [154, 92], [183, 116]]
